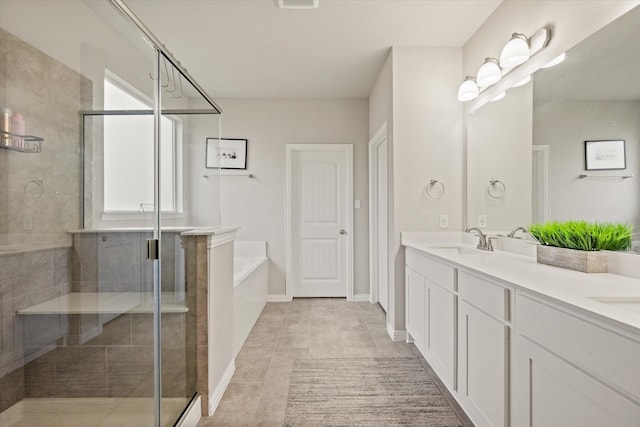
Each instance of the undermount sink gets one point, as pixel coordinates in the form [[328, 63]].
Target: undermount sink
[[630, 304], [459, 250]]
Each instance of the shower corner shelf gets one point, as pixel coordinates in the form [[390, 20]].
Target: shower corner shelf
[[25, 144]]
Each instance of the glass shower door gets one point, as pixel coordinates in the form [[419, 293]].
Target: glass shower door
[[187, 120]]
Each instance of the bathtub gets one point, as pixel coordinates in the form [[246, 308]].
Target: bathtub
[[250, 283]]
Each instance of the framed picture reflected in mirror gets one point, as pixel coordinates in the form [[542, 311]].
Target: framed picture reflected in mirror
[[604, 155]]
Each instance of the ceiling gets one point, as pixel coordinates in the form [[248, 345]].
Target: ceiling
[[251, 48]]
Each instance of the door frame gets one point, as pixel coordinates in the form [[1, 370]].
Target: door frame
[[541, 154], [347, 149], [379, 137]]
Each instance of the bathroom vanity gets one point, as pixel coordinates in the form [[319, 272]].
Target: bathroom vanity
[[524, 344]]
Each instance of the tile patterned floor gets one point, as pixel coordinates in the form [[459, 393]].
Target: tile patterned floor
[[308, 327]]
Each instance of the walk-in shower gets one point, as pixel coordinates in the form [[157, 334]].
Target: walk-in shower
[[100, 171]]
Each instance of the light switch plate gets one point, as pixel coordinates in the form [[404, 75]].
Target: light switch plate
[[444, 221], [356, 204]]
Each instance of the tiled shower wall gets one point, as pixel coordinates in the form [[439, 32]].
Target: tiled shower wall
[[93, 355], [40, 192], [39, 200], [27, 279]]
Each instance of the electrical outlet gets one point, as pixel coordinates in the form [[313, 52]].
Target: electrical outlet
[[482, 221], [444, 221]]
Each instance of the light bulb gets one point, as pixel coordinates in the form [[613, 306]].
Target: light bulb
[[515, 52], [489, 73], [468, 89]]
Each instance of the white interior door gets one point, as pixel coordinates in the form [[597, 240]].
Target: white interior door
[[319, 221], [382, 225]]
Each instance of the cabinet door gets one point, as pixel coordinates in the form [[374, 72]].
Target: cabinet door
[[440, 332], [553, 392], [415, 317], [482, 366]]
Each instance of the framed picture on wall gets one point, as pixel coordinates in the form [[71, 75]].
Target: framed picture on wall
[[226, 153], [604, 155]]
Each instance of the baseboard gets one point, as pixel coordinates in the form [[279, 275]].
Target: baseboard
[[193, 413], [396, 335], [278, 298], [361, 298], [216, 396]]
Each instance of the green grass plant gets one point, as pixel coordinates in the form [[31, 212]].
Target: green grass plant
[[583, 235]]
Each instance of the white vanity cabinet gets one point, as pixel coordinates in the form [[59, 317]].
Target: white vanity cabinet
[[416, 307], [571, 370], [430, 312], [483, 349]]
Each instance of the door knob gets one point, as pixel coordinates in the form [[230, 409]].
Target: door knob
[[343, 231]]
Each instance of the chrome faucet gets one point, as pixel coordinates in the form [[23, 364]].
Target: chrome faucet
[[515, 230], [484, 243]]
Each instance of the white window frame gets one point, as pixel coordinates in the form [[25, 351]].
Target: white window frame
[[176, 156]]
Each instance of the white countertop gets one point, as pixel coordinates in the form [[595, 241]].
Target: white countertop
[[104, 303], [566, 286]]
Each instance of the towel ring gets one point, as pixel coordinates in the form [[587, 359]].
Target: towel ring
[[496, 189], [431, 192], [34, 189]]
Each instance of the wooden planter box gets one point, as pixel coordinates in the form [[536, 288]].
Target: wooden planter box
[[586, 261]]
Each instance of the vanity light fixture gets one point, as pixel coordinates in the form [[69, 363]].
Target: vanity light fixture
[[499, 97], [522, 82], [555, 61], [518, 50], [468, 89], [489, 73], [515, 52]]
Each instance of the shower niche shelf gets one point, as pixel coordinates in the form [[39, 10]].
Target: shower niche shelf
[[25, 143]]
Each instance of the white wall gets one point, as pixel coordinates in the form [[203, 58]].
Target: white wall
[[425, 143], [201, 194], [564, 126], [258, 205], [499, 138], [381, 100]]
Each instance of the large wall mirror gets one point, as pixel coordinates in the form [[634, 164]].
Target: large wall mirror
[[533, 140]]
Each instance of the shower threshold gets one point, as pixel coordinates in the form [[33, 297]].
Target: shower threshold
[[98, 412]]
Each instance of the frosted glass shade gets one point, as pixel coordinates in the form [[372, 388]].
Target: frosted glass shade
[[468, 90], [489, 73], [515, 52]]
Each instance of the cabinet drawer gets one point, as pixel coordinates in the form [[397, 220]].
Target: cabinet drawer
[[604, 353], [437, 272], [488, 297]]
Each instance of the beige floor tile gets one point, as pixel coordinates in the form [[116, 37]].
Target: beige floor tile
[[239, 400], [250, 369], [271, 412]]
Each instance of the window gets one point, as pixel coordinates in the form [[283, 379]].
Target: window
[[128, 155]]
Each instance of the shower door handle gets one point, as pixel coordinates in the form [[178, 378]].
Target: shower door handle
[[343, 232]]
